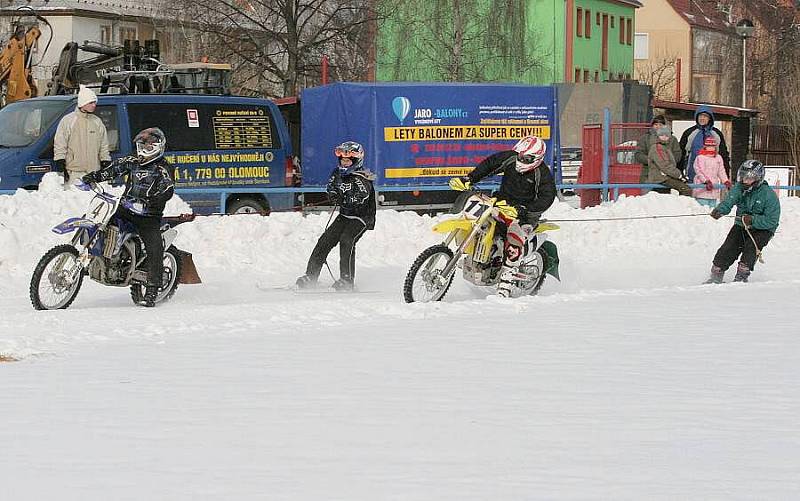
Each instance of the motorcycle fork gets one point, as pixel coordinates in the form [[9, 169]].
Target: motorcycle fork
[[448, 269]]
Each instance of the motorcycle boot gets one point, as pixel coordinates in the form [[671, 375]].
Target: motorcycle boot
[[509, 274], [150, 295], [742, 273], [716, 276]]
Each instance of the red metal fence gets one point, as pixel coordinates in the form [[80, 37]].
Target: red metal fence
[[622, 168]]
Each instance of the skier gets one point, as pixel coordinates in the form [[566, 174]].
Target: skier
[[350, 188], [148, 187], [526, 191], [757, 214]]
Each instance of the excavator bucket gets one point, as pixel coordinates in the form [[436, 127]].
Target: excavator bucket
[[189, 273]]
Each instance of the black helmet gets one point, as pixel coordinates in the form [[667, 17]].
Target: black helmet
[[751, 171], [150, 144]]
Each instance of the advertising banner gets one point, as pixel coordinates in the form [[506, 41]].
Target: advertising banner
[[421, 134]]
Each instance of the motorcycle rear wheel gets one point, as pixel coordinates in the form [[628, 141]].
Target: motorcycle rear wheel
[[537, 283], [424, 282], [51, 288]]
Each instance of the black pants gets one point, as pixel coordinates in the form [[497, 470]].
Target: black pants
[[739, 242], [149, 230], [345, 232]]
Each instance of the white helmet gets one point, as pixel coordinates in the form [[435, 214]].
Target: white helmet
[[530, 153], [150, 144]]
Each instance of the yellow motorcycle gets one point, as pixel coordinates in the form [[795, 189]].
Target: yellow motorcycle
[[471, 235]]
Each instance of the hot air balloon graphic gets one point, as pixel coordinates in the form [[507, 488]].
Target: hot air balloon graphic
[[401, 106]]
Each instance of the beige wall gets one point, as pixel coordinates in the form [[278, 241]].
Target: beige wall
[[669, 39]]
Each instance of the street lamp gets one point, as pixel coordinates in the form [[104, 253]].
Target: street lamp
[[744, 29]]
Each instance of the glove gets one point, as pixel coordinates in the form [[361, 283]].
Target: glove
[[709, 185], [747, 220], [727, 184], [460, 183], [90, 178], [507, 211], [716, 214]]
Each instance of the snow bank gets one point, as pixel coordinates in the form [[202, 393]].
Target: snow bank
[[595, 254]]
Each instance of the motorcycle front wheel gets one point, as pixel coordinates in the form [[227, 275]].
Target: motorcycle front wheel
[[56, 279], [424, 282], [169, 278]]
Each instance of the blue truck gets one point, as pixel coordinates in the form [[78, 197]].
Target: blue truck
[[236, 154]]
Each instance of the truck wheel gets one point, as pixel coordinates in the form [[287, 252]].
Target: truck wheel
[[248, 205]]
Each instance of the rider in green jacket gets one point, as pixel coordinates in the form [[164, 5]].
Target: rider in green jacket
[[758, 212]]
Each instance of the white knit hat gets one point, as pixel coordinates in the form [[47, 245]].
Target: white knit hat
[[86, 96]]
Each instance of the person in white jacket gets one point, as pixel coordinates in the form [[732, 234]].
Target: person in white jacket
[[81, 142]]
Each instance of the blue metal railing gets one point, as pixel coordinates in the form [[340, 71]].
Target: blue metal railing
[[613, 187]]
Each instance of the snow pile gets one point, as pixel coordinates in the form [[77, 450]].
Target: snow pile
[[595, 254], [27, 217]]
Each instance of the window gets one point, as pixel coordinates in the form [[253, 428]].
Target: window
[[621, 30], [108, 115], [596, 76], [641, 48], [577, 75], [629, 32], [579, 22], [107, 35], [216, 131], [127, 34], [612, 21], [588, 29], [585, 76], [24, 122]]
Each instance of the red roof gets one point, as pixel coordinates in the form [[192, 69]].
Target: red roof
[[702, 14]]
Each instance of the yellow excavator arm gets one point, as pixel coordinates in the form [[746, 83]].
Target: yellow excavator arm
[[15, 65]]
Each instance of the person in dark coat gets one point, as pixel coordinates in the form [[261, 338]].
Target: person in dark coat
[[647, 141], [693, 140], [148, 187], [527, 187], [351, 188]]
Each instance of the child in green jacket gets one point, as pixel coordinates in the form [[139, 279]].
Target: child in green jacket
[[757, 214]]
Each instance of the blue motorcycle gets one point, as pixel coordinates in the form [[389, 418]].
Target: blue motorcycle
[[107, 249]]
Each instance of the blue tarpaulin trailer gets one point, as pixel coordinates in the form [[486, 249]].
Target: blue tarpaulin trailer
[[419, 135]]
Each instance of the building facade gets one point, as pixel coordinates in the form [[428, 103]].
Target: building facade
[[533, 41]]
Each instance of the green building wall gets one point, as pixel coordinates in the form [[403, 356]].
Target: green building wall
[[588, 52], [494, 41]]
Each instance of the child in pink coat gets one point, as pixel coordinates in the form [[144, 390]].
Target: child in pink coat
[[709, 170]]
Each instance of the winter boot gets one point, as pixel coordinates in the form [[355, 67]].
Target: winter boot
[[150, 294], [716, 276], [343, 285], [305, 282], [742, 273]]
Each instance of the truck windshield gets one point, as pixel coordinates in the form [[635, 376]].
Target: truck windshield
[[24, 122]]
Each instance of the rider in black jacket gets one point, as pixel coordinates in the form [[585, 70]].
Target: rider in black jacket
[[350, 187], [148, 187], [527, 186]]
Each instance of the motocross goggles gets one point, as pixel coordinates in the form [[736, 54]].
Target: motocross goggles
[[347, 153]]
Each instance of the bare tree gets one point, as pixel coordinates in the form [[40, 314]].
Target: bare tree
[[661, 74], [275, 46]]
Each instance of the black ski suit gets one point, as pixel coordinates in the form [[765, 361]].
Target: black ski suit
[[149, 186], [530, 193], [355, 196]]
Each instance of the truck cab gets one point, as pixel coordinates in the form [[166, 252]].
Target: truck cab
[[226, 152]]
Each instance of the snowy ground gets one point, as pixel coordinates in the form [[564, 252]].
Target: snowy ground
[[625, 381]]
